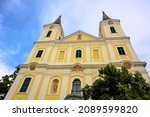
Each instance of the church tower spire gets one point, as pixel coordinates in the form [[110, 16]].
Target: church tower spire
[[105, 17], [109, 27], [52, 31], [58, 20]]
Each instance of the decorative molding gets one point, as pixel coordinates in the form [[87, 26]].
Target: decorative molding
[[49, 42], [32, 65], [77, 68], [127, 65], [88, 66]]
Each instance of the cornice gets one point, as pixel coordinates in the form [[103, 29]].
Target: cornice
[[117, 38], [85, 66], [83, 41]]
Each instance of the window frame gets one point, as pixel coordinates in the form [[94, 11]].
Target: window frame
[[39, 55], [23, 85], [49, 33], [98, 53], [112, 29], [76, 87], [121, 50], [59, 58], [77, 54]]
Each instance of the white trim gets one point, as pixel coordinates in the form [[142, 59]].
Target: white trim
[[133, 54], [43, 90], [53, 56], [88, 53], [111, 51], [69, 54], [64, 84], [104, 52], [46, 53]]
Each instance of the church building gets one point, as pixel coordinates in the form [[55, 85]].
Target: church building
[[59, 66]]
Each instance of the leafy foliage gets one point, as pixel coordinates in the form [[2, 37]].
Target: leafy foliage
[[117, 84], [6, 82]]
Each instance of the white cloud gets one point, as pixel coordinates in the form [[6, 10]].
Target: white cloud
[[5, 69], [6, 53], [14, 8]]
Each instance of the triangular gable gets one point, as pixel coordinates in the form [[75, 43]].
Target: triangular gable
[[79, 36]]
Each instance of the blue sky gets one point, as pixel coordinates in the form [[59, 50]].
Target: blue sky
[[21, 23]]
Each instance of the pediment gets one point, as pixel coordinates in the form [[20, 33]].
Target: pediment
[[79, 36]]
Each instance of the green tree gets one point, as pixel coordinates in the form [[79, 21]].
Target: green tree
[[6, 82], [117, 84]]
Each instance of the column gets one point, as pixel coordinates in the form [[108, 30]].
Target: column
[[105, 54], [87, 54], [44, 87], [63, 89], [111, 51], [35, 87]]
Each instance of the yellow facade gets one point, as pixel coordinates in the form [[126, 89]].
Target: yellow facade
[[58, 67]]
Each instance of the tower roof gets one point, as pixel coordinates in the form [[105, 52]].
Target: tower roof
[[58, 20], [105, 17]]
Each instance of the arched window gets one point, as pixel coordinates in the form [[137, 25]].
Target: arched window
[[54, 86], [25, 84], [78, 53], [49, 34], [112, 29], [76, 87]]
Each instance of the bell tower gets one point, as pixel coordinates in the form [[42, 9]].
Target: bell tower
[[53, 31], [59, 67], [110, 27]]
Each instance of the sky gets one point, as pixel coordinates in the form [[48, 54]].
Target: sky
[[21, 23]]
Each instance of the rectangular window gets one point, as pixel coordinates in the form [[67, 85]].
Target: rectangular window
[[95, 54], [25, 85], [39, 54], [61, 55], [121, 51], [78, 53]]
